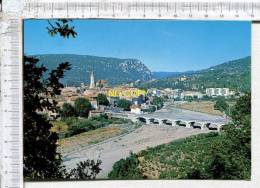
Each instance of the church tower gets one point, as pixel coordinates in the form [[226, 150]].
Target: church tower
[[92, 81]]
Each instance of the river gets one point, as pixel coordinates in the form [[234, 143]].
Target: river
[[171, 112], [117, 148]]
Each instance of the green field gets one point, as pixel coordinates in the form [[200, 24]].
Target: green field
[[178, 159], [203, 156]]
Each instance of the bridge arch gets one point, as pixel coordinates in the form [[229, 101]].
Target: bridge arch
[[155, 121], [181, 123], [207, 124], [212, 126], [198, 125], [166, 122], [141, 119]]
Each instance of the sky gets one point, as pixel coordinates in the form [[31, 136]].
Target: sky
[[162, 45]]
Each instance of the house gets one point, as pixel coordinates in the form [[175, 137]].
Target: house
[[218, 92], [94, 104], [191, 94], [136, 109]]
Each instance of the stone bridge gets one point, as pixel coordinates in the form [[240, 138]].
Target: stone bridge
[[179, 122], [169, 122]]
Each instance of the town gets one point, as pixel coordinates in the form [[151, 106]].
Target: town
[[132, 99]]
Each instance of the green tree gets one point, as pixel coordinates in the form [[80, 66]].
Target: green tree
[[80, 126], [242, 109], [232, 156], [41, 160], [61, 27], [102, 99], [67, 111], [221, 105], [82, 107], [158, 101], [126, 168], [40, 157], [86, 170], [125, 104]]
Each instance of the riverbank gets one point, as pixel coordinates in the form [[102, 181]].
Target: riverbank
[[170, 111], [199, 106], [117, 148]]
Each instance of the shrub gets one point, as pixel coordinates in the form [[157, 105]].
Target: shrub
[[80, 126], [67, 111], [77, 126], [221, 105], [158, 101], [125, 104], [126, 169], [102, 99], [70, 120], [86, 170], [82, 107]]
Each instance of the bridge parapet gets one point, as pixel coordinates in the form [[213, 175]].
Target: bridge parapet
[[180, 122]]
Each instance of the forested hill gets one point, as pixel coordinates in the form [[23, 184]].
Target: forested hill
[[234, 74], [114, 70], [162, 74]]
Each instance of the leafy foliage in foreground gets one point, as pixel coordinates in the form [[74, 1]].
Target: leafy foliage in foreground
[[61, 27], [232, 157], [126, 169], [41, 159], [86, 170]]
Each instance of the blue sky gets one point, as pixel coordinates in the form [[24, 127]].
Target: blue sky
[[160, 45]]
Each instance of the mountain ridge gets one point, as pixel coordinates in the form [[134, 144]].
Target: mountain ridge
[[165, 74], [114, 70], [234, 74]]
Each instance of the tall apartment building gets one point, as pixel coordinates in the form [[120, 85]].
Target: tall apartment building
[[218, 92]]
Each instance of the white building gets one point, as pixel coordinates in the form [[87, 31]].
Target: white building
[[92, 81], [94, 104], [218, 92], [135, 109], [193, 94], [173, 94]]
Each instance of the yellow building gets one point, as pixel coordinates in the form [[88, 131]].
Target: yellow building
[[127, 93]]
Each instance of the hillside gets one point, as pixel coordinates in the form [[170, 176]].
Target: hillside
[[234, 74], [114, 70], [161, 74]]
